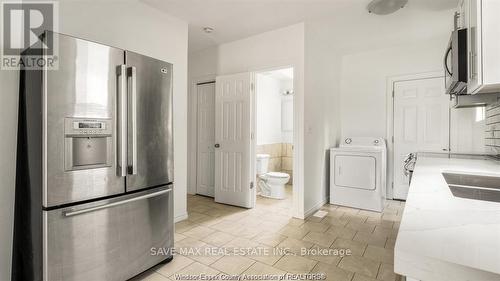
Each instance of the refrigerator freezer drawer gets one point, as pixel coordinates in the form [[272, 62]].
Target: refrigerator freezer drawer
[[109, 239]]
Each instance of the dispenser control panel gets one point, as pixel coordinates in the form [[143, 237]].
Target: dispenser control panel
[[76, 126]]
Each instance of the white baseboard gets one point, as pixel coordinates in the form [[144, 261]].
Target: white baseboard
[[180, 217], [316, 207]]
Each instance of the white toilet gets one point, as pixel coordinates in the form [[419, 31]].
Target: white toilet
[[271, 184]]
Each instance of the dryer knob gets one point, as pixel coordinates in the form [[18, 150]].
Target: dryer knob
[[348, 140]]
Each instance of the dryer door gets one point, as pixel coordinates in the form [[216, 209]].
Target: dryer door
[[355, 171]]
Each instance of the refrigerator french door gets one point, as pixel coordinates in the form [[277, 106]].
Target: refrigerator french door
[[95, 165]]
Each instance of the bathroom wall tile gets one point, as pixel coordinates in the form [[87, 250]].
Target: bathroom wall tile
[[275, 164], [289, 150], [276, 150], [287, 163], [259, 149]]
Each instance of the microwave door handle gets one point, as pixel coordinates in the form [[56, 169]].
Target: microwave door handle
[[132, 121], [446, 61], [122, 124]]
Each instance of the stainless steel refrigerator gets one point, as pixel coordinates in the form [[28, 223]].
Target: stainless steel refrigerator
[[94, 165]]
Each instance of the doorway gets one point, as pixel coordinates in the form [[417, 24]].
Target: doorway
[[274, 104], [421, 123], [205, 130], [225, 144]]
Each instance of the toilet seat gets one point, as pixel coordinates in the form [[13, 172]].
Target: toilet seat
[[278, 175]]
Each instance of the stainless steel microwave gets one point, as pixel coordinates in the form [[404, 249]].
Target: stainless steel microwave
[[455, 63]]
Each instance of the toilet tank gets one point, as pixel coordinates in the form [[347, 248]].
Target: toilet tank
[[262, 163]]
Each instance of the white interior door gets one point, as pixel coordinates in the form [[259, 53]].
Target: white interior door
[[233, 140], [421, 123], [205, 160]]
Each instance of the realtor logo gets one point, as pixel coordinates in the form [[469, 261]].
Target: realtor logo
[[23, 24]]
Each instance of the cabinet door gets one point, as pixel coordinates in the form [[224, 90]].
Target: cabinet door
[[474, 46]]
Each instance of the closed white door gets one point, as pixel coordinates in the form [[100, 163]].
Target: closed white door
[[421, 124], [205, 166], [233, 139]]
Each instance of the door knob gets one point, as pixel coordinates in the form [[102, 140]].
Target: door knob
[[217, 145]]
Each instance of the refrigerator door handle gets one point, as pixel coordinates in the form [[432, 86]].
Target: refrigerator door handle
[[122, 124], [132, 115], [71, 213]]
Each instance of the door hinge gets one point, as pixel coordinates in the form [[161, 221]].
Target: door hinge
[[251, 135], [393, 93], [252, 86], [251, 185], [392, 139]]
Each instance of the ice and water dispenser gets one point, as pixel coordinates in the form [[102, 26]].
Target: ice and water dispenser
[[88, 143]]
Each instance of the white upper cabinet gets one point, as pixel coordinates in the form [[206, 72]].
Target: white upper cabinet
[[483, 45]]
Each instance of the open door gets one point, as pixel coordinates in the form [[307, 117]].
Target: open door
[[233, 179]]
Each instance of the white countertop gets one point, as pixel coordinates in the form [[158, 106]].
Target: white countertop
[[443, 237]]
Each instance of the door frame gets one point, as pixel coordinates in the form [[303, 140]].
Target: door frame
[[297, 210], [193, 129], [390, 83]]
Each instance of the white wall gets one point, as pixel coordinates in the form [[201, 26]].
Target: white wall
[[129, 25], [268, 110], [322, 117], [364, 82], [277, 48]]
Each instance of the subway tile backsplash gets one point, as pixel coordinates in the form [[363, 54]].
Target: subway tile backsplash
[[492, 133]]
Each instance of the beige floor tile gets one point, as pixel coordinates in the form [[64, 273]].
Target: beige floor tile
[[294, 231], [361, 227], [315, 226], [379, 254], [386, 273], [150, 276], [322, 254], [360, 277], [320, 238], [355, 218], [295, 264], [248, 232], [270, 238], [370, 239], [269, 255], [259, 268], [207, 254], [218, 238], [347, 210], [196, 217], [333, 273], [360, 265], [179, 262], [336, 221], [387, 232], [178, 237], [295, 245], [240, 243], [188, 244], [197, 268], [232, 264], [184, 226], [357, 248], [341, 232], [198, 232], [381, 222], [390, 244]]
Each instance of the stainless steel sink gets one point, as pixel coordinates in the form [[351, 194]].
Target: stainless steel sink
[[478, 187]]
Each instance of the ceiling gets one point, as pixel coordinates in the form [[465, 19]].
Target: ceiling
[[237, 19]]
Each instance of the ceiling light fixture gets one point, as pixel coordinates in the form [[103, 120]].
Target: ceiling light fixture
[[208, 29], [385, 7]]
